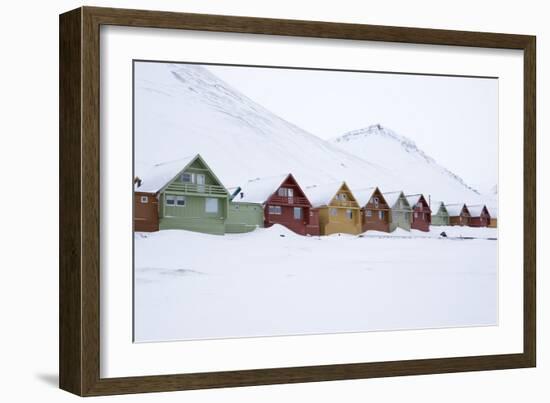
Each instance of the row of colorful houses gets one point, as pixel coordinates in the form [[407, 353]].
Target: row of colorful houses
[[186, 194]]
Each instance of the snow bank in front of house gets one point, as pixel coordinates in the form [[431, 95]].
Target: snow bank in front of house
[[454, 231], [274, 282]]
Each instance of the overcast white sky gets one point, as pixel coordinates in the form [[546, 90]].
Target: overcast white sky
[[453, 119]]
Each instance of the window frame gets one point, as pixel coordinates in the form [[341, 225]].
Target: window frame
[[209, 199], [170, 197], [270, 210], [191, 176]]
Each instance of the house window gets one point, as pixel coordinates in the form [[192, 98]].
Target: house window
[[375, 200], [144, 199], [333, 212], [187, 177], [170, 200], [381, 215], [343, 196], [297, 213], [276, 210], [415, 214], [211, 205], [286, 192], [349, 214], [368, 213], [180, 201]]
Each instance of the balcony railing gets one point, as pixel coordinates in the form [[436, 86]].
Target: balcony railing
[[302, 201], [195, 188], [345, 203]]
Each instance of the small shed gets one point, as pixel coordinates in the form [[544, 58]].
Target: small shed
[[338, 209], [146, 218], [458, 214], [441, 217], [375, 211], [421, 212], [479, 216], [400, 210], [283, 202]]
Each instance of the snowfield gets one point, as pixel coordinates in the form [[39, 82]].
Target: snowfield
[[273, 282]]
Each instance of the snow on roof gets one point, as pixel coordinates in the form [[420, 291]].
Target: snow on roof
[[475, 210], [159, 175], [258, 190], [454, 209], [493, 211], [413, 199], [392, 197], [321, 195], [363, 195], [441, 205]]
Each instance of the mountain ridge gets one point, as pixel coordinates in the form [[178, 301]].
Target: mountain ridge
[[186, 109]]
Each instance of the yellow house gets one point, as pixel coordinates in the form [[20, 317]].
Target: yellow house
[[338, 209]]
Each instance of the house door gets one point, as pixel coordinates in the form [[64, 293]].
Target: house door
[[200, 182]]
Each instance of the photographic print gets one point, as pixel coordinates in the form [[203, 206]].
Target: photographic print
[[277, 201]]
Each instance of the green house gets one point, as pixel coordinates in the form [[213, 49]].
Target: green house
[[191, 197], [400, 210], [441, 217]]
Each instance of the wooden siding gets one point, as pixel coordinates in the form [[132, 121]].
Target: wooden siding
[[193, 215], [462, 219], [440, 219], [421, 215], [400, 215], [493, 222], [400, 219], [376, 215], [305, 224], [243, 217], [146, 217], [482, 220], [334, 218]]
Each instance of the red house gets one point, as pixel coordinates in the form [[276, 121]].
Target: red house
[[479, 216], [458, 214], [375, 210], [421, 212], [284, 202]]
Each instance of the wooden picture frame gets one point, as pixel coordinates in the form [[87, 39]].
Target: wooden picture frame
[[79, 201]]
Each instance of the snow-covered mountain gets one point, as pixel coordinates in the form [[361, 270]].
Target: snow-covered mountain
[[401, 156], [185, 109]]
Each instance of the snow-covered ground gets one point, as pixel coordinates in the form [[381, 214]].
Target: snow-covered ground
[[273, 282]]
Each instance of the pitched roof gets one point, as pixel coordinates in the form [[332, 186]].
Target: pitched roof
[[321, 195], [161, 174], [393, 197], [440, 207], [454, 209], [493, 211], [364, 195], [413, 199], [258, 190], [475, 210]]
